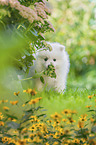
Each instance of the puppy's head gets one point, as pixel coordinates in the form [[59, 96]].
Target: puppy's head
[[54, 57]]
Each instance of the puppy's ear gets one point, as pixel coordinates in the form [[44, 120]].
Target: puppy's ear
[[62, 47]]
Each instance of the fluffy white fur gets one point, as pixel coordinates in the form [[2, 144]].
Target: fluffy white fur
[[61, 67]]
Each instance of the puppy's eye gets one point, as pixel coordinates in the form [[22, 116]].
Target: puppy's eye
[[54, 59], [46, 59]]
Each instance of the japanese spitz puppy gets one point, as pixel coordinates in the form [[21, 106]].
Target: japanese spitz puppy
[[59, 58]]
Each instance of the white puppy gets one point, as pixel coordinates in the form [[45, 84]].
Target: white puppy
[[59, 58]]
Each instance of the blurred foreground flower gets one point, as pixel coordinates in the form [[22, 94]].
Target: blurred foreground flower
[[16, 93], [6, 108], [56, 116], [14, 102], [80, 124], [30, 91]]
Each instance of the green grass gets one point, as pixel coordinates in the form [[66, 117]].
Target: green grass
[[74, 99]]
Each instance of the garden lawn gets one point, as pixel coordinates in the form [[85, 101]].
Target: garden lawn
[[74, 99]]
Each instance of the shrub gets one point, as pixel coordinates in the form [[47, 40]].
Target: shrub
[[27, 20]]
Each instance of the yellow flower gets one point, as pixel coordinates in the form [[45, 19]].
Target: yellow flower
[[55, 143], [67, 131], [57, 121], [76, 141], [91, 119], [37, 139], [24, 91], [14, 102], [91, 135], [16, 94], [56, 135], [5, 108], [70, 120], [33, 128], [21, 142], [66, 111], [1, 123], [34, 119], [83, 117], [40, 125], [88, 106], [39, 98], [23, 105], [33, 93], [10, 140], [73, 111], [39, 134], [80, 124], [61, 131], [54, 125], [46, 136], [12, 119], [49, 121], [33, 101], [3, 101], [24, 130], [65, 141], [5, 139], [56, 116], [30, 91], [28, 140], [90, 96], [47, 143], [1, 116], [92, 142], [44, 129], [31, 135], [83, 140], [51, 135], [64, 120], [15, 131]]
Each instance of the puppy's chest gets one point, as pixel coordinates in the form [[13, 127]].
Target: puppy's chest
[[50, 81]]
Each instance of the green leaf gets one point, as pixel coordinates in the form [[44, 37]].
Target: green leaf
[[42, 115], [42, 79], [26, 52], [26, 136], [91, 110], [26, 102], [28, 111], [34, 33], [11, 116], [38, 108]]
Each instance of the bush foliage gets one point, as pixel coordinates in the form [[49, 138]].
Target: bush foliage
[[75, 24], [26, 20]]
